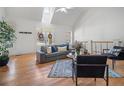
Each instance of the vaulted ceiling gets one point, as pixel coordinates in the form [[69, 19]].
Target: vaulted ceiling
[[69, 18], [32, 13], [36, 13]]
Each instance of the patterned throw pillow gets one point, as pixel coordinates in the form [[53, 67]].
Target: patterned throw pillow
[[116, 52], [49, 50], [62, 48], [111, 51]]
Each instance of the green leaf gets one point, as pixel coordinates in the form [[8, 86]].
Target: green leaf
[[7, 35]]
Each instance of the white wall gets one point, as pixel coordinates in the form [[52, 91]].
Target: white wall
[[2, 13], [60, 33], [25, 43], [100, 24]]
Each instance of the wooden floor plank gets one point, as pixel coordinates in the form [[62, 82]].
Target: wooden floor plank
[[23, 71]]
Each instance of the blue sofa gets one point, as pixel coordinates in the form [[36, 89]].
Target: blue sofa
[[43, 57]]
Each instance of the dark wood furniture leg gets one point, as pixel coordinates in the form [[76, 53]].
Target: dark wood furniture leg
[[107, 76], [113, 64], [76, 81], [72, 71]]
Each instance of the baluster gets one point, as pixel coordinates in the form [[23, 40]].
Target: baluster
[[101, 47], [91, 47], [95, 48], [107, 45]]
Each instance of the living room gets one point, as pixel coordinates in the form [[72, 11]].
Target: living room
[[48, 37]]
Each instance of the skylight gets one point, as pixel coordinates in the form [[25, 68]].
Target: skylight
[[47, 15]]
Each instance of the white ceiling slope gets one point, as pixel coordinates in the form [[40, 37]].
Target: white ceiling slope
[[69, 18], [36, 14], [31, 13]]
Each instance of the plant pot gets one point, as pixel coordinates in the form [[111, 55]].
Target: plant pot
[[4, 62]]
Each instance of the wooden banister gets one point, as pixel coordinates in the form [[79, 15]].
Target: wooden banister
[[98, 46], [95, 47]]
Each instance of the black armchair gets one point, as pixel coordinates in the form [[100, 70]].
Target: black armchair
[[116, 53], [92, 66]]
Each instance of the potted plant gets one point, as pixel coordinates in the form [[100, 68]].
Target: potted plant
[[77, 45], [7, 38]]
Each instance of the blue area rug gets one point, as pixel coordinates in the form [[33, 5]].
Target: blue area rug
[[63, 69]]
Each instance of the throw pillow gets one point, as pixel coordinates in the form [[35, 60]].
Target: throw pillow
[[49, 50], [111, 50], [62, 48], [44, 49], [54, 49], [116, 52]]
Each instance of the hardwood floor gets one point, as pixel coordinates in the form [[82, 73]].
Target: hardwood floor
[[23, 71]]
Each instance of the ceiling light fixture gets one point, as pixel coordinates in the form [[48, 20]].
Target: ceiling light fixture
[[64, 9]]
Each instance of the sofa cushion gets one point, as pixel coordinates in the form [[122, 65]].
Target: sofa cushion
[[63, 53], [55, 54]]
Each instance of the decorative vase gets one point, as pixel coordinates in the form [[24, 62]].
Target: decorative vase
[[78, 52]]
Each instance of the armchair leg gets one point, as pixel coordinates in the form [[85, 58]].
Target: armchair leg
[[73, 71], [95, 80], [107, 77], [113, 64], [73, 78], [73, 75], [107, 82], [76, 81]]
